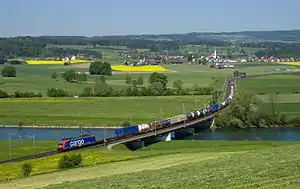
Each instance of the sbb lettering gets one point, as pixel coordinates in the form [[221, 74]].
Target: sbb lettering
[[77, 143]]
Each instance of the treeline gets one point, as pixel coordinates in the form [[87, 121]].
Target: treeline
[[157, 86], [19, 94], [22, 46], [67, 52], [276, 49], [246, 111], [37, 46]]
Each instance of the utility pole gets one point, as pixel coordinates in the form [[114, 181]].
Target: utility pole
[[130, 119], [80, 129], [33, 142], [155, 123], [235, 85], [9, 146], [9, 143]]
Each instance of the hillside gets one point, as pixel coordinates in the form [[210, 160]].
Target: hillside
[[185, 164], [245, 36], [272, 168]]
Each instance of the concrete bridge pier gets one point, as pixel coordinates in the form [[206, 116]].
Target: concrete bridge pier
[[166, 137], [134, 145], [206, 124], [185, 132]]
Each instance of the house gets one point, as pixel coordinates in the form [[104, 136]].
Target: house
[[175, 61], [153, 61]]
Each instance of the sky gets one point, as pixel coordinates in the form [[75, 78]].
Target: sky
[[120, 17]]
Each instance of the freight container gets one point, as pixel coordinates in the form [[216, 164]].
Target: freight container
[[80, 141], [154, 124], [178, 119], [190, 115], [127, 130], [165, 122], [198, 113], [143, 127], [214, 107]]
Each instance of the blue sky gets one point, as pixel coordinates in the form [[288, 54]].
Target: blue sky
[[111, 17]]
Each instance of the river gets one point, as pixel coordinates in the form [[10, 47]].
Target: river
[[271, 134], [51, 133], [275, 134]]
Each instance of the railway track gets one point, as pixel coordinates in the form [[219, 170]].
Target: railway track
[[30, 157], [45, 154]]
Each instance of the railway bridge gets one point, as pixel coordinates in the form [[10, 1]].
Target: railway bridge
[[139, 138], [138, 141]]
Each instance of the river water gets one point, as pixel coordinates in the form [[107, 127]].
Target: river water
[[275, 134], [52, 134], [271, 134]]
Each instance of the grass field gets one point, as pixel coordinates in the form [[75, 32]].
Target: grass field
[[282, 84], [107, 111], [37, 78], [281, 87], [284, 103], [113, 111], [184, 164], [25, 148]]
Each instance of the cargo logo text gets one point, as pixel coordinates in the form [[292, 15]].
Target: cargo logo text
[[77, 143]]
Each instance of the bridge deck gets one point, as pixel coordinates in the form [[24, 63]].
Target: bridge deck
[[160, 131]]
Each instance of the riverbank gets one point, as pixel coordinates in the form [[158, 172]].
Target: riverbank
[[59, 127]]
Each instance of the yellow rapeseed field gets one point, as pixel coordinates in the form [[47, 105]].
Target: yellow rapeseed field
[[57, 62], [291, 63], [139, 68]]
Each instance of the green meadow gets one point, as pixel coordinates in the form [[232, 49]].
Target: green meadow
[[106, 111], [279, 91], [186, 164]]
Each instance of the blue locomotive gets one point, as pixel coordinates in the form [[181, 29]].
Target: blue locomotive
[[75, 142]]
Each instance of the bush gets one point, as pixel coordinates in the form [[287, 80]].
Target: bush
[[69, 75], [66, 162], [99, 68], [9, 71], [3, 94], [26, 169], [52, 92], [126, 123], [54, 75], [19, 94]]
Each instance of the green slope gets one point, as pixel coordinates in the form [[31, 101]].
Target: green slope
[[271, 168]]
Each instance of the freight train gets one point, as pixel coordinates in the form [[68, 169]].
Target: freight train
[[85, 140]]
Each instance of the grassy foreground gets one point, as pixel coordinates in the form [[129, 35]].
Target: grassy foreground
[[21, 148], [186, 164], [270, 168], [107, 111]]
